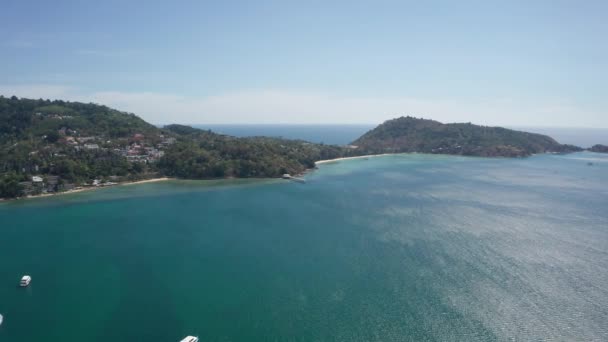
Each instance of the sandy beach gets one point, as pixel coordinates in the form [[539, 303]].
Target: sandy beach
[[153, 180], [90, 188], [347, 158], [73, 191]]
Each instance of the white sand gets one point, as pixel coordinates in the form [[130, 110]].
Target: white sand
[[91, 188], [347, 158], [153, 180]]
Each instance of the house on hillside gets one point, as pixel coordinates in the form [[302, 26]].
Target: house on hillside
[[52, 183], [168, 141], [71, 141], [85, 139], [27, 188]]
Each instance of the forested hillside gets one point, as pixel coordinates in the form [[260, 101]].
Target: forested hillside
[[408, 134], [204, 154], [67, 144], [51, 146]]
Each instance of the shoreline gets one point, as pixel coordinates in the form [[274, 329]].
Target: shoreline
[[162, 179], [326, 161], [85, 189], [143, 181]]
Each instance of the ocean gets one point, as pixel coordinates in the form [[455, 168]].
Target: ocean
[[327, 134], [583, 137], [406, 247]]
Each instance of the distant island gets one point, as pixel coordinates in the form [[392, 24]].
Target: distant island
[[599, 148], [409, 134], [49, 147]]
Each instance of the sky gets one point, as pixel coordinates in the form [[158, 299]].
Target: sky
[[510, 63]]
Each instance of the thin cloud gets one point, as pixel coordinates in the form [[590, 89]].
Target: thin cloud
[[19, 44], [106, 53]]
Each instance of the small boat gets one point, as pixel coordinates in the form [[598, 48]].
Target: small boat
[[25, 281], [287, 176], [1, 318], [190, 339]]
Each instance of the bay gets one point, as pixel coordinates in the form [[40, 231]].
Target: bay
[[396, 248]]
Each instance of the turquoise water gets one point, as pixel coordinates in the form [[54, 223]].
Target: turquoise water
[[396, 248]]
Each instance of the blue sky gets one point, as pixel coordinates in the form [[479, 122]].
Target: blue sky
[[530, 63]]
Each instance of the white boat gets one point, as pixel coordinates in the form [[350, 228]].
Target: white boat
[[190, 339], [1, 318], [25, 281]]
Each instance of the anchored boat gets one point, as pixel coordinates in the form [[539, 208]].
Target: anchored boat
[[25, 281], [190, 339]]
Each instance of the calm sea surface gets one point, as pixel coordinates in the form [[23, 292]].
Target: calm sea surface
[[396, 248]]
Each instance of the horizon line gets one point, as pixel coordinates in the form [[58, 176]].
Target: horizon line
[[366, 124]]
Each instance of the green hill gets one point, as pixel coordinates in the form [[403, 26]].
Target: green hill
[[68, 144], [23, 119], [408, 134], [50, 146], [204, 154]]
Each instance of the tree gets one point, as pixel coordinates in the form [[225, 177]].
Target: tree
[[52, 136], [10, 187]]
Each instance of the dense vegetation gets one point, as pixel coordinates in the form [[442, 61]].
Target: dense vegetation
[[599, 148], [408, 134], [204, 154], [69, 144], [41, 137], [22, 119]]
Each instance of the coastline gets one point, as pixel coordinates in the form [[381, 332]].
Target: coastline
[[89, 188], [161, 179]]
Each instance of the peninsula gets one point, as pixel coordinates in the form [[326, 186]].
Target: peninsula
[[409, 134]]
